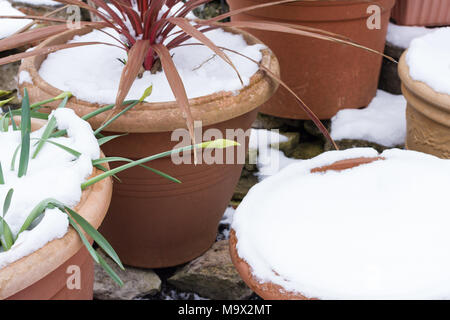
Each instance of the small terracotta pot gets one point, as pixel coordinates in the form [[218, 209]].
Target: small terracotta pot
[[43, 275], [327, 76], [422, 13], [427, 115], [154, 222], [269, 290]]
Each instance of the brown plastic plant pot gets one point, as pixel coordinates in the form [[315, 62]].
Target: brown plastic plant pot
[[269, 290], [327, 76], [44, 274], [427, 115], [421, 13], [154, 222]]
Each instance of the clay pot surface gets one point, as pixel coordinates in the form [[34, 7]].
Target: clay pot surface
[[269, 290], [43, 275], [327, 76], [421, 13], [427, 115], [154, 222]]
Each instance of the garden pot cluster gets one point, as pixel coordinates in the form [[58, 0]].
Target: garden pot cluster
[[153, 222]]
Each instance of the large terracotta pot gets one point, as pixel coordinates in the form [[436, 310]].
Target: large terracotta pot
[[269, 290], [43, 275], [152, 221], [422, 13], [327, 76], [427, 115]]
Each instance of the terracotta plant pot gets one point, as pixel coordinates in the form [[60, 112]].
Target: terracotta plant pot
[[427, 115], [422, 13], [154, 222], [43, 275], [269, 290], [327, 76]]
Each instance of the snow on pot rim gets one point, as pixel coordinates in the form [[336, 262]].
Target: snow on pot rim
[[162, 116], [382, 237], [92, 204]]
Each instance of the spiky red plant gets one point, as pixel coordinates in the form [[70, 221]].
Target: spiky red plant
[[145, 27]]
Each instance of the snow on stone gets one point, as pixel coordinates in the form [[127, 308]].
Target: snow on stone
[[382, 122], [401, 36], [268, 159], [93, 72], [25, 77], [428, 59], [377, 231], [10, 26], [61, 181]]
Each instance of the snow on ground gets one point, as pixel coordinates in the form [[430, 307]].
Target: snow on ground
[[381, 233], [269, 159], [382, 122], [428, 59], [93, 72], [10, 26], [401, 36], [60, 181]]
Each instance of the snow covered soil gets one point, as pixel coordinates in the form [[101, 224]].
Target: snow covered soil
[[54, 173], [382, 122], [428, 59], [10, 26], [92, 73], [39, 2], [382, 232]]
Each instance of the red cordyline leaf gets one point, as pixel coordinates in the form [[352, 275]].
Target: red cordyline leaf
[[136, 57], [49, 49], [28, 37], [176, 84]]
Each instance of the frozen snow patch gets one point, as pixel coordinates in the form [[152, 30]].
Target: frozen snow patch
[[9, 26], [382, 122]]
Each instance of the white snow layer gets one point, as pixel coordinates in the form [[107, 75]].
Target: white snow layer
[[382, 122], [377, 231], [401, 36], [54, 173], [10, 26], [264, 152], [39, 2], [92, 73], [428, 59]]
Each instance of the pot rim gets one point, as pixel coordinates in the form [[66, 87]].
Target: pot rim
[[421, 89], [30, 269], [166, 116], [270, 290]]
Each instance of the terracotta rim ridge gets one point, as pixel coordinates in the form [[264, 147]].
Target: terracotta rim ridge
[[24, 272], [418, 89], [269, 290], [164, 116]]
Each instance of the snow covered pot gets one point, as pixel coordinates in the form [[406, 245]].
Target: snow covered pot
[[425, 75], [40, 249], [153, 222], [364, 242], [310, 66], [421, 13]]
